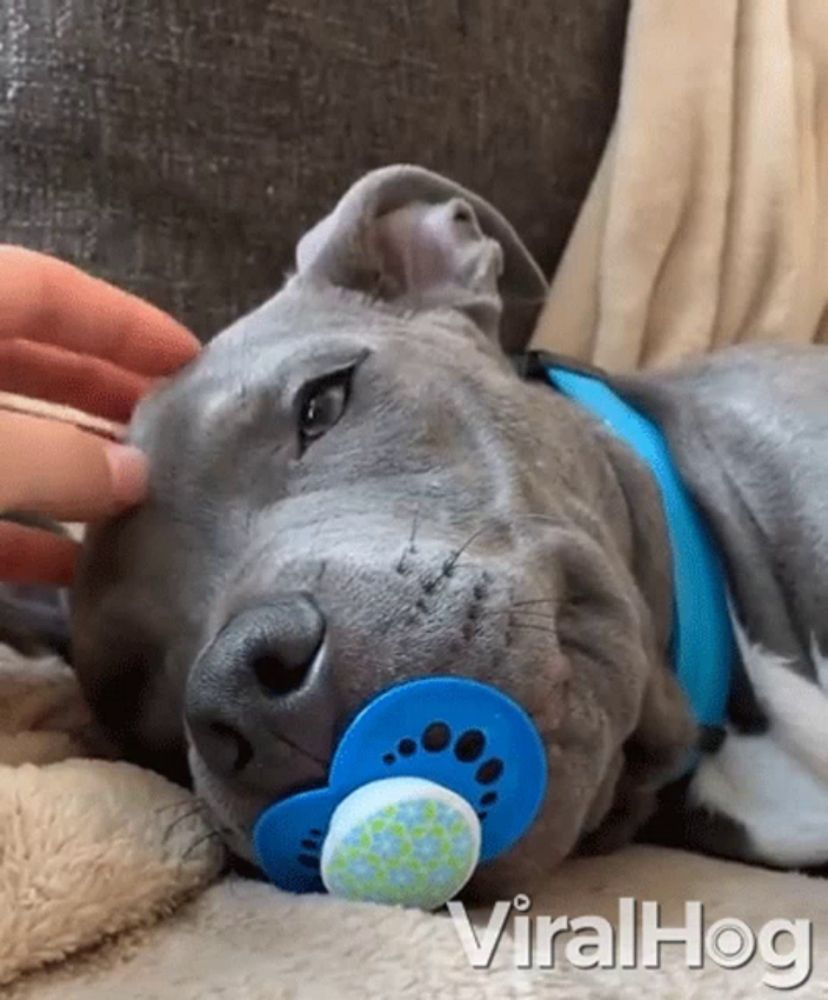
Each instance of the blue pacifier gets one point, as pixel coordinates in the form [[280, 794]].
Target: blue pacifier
[[431, 778]]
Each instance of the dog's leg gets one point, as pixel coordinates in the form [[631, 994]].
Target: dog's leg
[[774, 784], [796, 707]]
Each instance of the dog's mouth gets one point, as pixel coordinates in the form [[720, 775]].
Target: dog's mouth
[[246, 869]]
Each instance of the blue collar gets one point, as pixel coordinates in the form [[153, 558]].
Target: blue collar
[[703, 646]]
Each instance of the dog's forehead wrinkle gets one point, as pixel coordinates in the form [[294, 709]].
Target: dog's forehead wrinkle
[[415, 430], [297, 314]]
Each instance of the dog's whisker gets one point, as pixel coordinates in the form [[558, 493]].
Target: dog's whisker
[[210, 835], [182, 819], [451, 562], [301, 750], [534, 600], [537, 610], [415, 524], [453, 559], [411, 548], [542, 615], [192, 801], [529, 626]]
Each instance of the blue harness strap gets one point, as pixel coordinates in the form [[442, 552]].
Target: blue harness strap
[[703, 646]]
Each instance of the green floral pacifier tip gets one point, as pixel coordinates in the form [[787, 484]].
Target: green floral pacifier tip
[[405, 841]]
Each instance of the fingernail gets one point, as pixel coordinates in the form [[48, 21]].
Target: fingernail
[[128, 469]]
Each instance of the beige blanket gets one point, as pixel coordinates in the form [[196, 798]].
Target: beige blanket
[[706, 224], [96, 853]]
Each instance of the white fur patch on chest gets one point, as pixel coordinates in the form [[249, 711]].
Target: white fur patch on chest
[[775, 783]]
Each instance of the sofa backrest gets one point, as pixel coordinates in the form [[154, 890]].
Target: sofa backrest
[[180, 147]]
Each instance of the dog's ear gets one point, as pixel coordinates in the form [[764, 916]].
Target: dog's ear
[[407, 235]]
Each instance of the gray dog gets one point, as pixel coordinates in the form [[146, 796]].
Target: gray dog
[[352, 486]]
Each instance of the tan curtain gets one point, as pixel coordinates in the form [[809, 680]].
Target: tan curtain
[[707, 222]]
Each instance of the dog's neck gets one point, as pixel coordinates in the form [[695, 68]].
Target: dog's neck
[[702, 645]]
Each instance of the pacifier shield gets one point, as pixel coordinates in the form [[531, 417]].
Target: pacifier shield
[[467, 737]]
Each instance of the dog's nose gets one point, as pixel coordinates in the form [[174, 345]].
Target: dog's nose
[[261, 686]]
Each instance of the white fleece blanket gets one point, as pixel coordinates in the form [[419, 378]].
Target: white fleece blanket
[[110, 886]]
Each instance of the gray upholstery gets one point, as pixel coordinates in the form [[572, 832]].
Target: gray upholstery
[[179, 147]]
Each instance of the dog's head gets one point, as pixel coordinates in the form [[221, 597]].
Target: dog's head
[[351, 487]]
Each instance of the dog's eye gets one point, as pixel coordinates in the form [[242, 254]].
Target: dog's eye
[[322, 406]]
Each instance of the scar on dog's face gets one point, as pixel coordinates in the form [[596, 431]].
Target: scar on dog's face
[[350, 488]]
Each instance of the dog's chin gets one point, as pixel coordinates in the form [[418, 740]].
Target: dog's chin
[[232, 812]]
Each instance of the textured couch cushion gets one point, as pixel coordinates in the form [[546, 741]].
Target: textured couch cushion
[[179, 147]]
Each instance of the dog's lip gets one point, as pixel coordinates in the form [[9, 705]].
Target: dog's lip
[[246, 869]]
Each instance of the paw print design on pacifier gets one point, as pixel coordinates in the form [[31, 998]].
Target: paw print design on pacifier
[[432, 777]]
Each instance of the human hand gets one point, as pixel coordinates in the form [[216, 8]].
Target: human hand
[[69, 338]]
